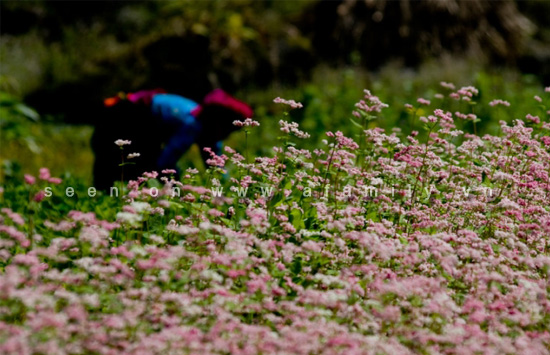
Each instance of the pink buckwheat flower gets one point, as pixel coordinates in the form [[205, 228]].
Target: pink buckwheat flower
[[55, 180], [151, 175], [292, 127], [246, 123], [446, 85], [423, 101], [370, 103], [499, 102], [15, 217], [44, 174], [291, 103], [532, 118], [29, 179], [39, 196]]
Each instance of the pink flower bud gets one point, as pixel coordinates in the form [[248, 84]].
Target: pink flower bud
[[423, 101], [44, 174], [55, 180], [39, 196], [29, 179]]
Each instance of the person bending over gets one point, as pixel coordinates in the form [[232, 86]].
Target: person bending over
[[161, 128]]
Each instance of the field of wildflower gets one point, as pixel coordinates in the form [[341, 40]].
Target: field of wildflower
[[381, 242]]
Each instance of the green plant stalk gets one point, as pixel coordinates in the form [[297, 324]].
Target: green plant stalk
[[413, 195], [328, 169], [360, 157], [122, 168], [246, 145]]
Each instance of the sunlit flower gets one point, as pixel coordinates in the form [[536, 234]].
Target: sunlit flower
[[246, 123], [121, 142]]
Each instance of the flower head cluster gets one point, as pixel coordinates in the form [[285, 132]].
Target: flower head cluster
[[370, 103], [215, 160], [292, 127], [291, 103], [423, 101], [465, 93], [246, 123], [499, 102], [447, 85], [121, 142]]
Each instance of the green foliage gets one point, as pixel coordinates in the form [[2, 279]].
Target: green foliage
[[14, 119], [328, 102]]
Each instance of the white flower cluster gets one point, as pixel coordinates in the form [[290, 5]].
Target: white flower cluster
[[246, 123], [122, 142], [291, 103], [288, 127]]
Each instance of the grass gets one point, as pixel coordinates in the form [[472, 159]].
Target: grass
[[65, 149]]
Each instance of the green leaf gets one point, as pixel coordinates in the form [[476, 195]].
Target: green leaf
[[296, 266], [175, 204], [26, 111], [296, 219], [355, 123]]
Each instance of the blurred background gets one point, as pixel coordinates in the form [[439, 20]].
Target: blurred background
[[60, 59]]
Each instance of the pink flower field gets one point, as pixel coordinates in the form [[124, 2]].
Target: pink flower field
[[433, 243]]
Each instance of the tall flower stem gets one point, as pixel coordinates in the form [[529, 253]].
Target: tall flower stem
[[418, 176], [122, 167], [361, 156], [246, 145], [328, 169]]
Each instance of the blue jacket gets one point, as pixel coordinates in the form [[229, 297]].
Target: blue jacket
[[174, 111]]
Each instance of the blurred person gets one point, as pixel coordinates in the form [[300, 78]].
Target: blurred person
[[161, 128]]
